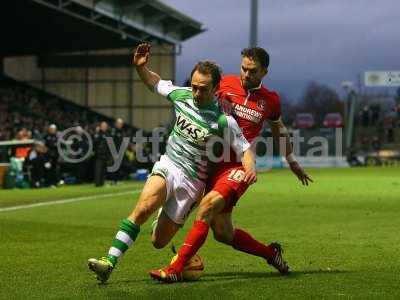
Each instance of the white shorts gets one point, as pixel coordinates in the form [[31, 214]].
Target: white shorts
[[183, 192]]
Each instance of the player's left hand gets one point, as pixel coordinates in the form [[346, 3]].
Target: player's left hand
[[250, 176], [300, 173]]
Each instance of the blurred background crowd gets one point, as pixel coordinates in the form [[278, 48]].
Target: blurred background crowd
[[32, 121]]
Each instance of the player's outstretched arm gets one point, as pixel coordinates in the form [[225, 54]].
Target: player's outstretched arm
[[140, 59], [279, 131]]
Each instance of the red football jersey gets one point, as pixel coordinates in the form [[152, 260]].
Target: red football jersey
[[249, 108]]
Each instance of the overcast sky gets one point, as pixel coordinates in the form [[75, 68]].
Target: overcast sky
[[324, 40]]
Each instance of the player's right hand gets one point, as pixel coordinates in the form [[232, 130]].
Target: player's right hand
[[141, 55], [300, 173], [250, 177]]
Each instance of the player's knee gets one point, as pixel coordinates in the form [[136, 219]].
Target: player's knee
[[210, 203], [219, 237], [158, 243], [223, 237], [142, 213]]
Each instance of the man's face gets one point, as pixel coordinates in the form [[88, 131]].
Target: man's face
[[251, 73], [119, 124], [103, 126], [202, 87]]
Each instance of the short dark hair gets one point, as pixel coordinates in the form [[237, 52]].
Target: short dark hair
[[258, 54], [207, 67]]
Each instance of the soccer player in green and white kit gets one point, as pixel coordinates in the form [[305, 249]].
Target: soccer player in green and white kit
[[177, 180]]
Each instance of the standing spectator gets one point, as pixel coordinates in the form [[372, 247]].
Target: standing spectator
[[50, 140], [101, 153], [365, 116], [81, 148], [389, 125], [375, 109], [117, 134]]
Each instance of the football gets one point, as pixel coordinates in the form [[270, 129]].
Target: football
[[194, 268]]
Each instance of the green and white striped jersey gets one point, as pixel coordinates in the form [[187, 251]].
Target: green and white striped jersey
[[195, 126]]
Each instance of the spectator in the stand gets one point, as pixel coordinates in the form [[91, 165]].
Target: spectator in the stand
[[365, 116], [3, 135], [117, 134], [101, 153], [22, 151], [389, 125], [38, 163], [24, 107], [365, 143], [375, 113], [50, 140], [376, 143], [129, 163], [80, 147]]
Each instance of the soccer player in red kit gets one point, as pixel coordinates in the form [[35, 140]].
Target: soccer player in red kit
[[251, 104]]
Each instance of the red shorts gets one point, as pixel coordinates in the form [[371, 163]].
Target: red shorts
[[228, 181]]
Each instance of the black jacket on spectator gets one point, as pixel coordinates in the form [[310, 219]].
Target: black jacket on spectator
[[40, 168], [118, 136], [101, 156], [51, 144], [80, 168], [100, 147]]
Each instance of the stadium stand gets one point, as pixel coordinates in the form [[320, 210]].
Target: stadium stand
[[26, 110], [77, 72]]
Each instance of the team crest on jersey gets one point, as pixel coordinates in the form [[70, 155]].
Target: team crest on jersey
[[189, 129], [261, 104]]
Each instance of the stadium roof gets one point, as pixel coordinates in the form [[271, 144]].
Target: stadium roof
[[49, 26]]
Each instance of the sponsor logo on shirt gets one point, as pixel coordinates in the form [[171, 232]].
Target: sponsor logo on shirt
[[241, 111], [190, 130], [247, 113]]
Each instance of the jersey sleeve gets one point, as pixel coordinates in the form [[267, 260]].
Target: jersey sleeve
[[222, 89], [164, 87], [221, 92], [171, 92], [275, 106], [236, 138]]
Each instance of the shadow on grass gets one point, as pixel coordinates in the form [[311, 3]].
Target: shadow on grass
[[230, 276], [253, 275]]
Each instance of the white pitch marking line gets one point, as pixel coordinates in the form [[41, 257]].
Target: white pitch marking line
[[56, 202]]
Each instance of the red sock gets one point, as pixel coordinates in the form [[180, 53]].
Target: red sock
[[244, 242], [194, 240]]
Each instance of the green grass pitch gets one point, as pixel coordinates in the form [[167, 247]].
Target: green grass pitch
[[341, 238]]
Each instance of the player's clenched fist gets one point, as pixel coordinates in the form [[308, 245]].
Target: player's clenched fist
[[141, 55]]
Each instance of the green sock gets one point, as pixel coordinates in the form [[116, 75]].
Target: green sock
[[125, 237]]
